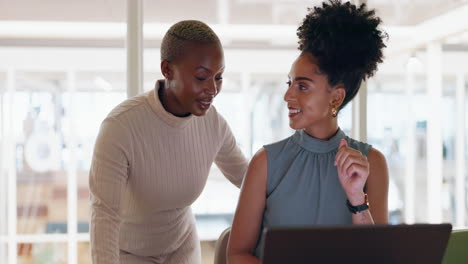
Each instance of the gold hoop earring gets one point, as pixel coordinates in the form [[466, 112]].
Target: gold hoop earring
[[334, 112]]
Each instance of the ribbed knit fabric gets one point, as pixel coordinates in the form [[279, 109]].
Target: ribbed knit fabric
[[148, 167]]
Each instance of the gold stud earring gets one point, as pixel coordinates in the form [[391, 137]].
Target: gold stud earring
[[334, 112]]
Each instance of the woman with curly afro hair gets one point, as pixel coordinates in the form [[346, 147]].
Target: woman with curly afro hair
[[319, 175]]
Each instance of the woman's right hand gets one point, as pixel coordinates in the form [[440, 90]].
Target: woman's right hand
[[353, 171]]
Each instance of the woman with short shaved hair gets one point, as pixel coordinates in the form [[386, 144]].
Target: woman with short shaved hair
[[154, 152]]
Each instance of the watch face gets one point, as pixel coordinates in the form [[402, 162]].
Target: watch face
[[362, 207]]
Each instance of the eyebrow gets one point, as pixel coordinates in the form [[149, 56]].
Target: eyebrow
[[301, 79], [206, 69]]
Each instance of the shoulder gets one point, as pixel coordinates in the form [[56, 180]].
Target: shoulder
[[260, 158], [119, 122], [363, 147], [278, 145], [129, 106], [257, 171], [376, 157], [276, 148], [378, 169], [115, 127]]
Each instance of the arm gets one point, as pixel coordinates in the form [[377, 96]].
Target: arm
[[230, 159], [377, 187], [107, 180], [354, 171], [247, 220]]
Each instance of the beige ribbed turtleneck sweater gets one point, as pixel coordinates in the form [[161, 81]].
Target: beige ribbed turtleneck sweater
[[148, 167]]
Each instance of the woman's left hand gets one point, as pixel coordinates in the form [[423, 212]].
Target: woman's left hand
[[353, 170]]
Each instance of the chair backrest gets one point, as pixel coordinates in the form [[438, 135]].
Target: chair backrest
[[457, 248], [221, 247]]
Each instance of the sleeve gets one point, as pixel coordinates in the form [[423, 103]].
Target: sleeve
[[107, 181], [230, 159]]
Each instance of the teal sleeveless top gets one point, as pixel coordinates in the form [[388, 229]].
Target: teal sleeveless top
[[303, 188]]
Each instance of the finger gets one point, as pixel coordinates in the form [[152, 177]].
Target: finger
[[357, 169], [355, 158], [342, 150], [342, 158], [341, 173], [345, 154], [343, 143], [341, 164], [340, 153], [349, 159]]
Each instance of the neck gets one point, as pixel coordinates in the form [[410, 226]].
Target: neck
[[169, 101], [323, 131]]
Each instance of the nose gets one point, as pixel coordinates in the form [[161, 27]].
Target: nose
[[288, 96], [211, 89]]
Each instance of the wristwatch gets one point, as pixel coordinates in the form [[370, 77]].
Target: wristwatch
[[358, 208]]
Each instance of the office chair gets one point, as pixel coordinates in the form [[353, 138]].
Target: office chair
[[457, 248], [221, 247]]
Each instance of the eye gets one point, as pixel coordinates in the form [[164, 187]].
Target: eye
[[200, 78], [220, 78], [302, 87]]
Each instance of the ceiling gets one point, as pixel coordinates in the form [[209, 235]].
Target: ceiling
[[394, 12], [411, 24]]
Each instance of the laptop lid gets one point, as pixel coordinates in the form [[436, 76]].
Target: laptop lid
[[383, 244]]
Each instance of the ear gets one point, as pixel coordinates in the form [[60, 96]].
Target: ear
[[166, 70], [338, 95]]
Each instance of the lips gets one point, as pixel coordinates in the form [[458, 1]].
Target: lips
[[294, 112], [205, 103]]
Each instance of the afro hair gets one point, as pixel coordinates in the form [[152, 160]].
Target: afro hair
[[346, 41]]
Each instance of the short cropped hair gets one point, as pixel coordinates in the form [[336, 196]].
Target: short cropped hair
[[182, 33], [346, 41]]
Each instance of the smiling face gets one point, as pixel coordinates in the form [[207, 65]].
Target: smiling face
[[310, 97], [194, 79]]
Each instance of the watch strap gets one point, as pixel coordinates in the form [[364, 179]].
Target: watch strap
[[358, 208]]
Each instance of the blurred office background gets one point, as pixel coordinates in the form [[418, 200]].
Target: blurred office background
[[63, 67]]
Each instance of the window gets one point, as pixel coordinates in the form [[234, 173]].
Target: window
[[56, 87], [49, 122]]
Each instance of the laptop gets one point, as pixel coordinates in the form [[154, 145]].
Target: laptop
[[382, 244]]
